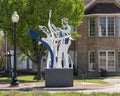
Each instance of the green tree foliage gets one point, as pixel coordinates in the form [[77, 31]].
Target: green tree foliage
[[33, 13]]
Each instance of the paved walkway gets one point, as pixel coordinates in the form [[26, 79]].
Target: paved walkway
[[115, 88], [112, 87], [41, 86]]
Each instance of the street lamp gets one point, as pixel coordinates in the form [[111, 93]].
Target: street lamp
[[15, 19]]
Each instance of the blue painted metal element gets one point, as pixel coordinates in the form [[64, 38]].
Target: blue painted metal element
[[34, 35]]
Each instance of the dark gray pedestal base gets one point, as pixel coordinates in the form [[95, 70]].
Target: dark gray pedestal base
[[59, 77]]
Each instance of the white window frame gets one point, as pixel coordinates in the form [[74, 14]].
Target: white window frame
[[89, 59], [118, 27], [106, 51], [99, 27], [89, 27], [118, 60]]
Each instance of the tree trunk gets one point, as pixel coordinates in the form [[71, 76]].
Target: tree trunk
[[39, 73], [39, 58]]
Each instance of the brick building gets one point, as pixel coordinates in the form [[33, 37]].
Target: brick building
[[99, 46]]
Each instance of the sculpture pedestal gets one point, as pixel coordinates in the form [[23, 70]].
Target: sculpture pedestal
[[59, 77]]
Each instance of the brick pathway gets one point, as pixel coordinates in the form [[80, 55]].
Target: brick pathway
[[41, 86]]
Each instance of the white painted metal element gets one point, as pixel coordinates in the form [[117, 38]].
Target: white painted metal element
[[59, 39]]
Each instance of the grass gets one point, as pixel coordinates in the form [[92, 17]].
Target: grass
[[30, 78], [112, 77], [26, 78], [91, 81], [39, 93]]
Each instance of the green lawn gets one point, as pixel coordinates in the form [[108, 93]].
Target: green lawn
[[30, 78], [26, 78], [39, 93], [91, 81]]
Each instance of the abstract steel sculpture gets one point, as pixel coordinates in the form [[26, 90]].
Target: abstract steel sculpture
[[57, 41]]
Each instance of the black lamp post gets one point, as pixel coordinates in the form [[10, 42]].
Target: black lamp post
[[15, 19]]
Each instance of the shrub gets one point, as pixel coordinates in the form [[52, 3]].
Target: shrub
[[103, 72]]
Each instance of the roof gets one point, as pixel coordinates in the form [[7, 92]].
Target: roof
[[90, 1], [87, 1], [103, 8], [98, 7], [118, 0]]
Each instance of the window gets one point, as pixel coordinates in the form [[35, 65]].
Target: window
[[102, 60], [106, 26], [119, 59], [91, 26], [111, 60], [91, 56], [107, 60], [119, 26]]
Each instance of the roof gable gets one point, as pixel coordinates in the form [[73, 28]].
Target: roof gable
[[99, 8], [87, 1]]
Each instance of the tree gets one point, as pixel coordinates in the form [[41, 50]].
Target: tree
[[33, 13], [2, 50]]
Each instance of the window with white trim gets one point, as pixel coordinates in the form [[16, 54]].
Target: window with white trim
[[91, 61], [107, 60], [119, 59], [119, 26], [106, 26], [91, 26]]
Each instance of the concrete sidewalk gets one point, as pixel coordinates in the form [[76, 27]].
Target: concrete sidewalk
[[41, 86]]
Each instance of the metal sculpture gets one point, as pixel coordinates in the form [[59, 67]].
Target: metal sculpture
[[57, 41]]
